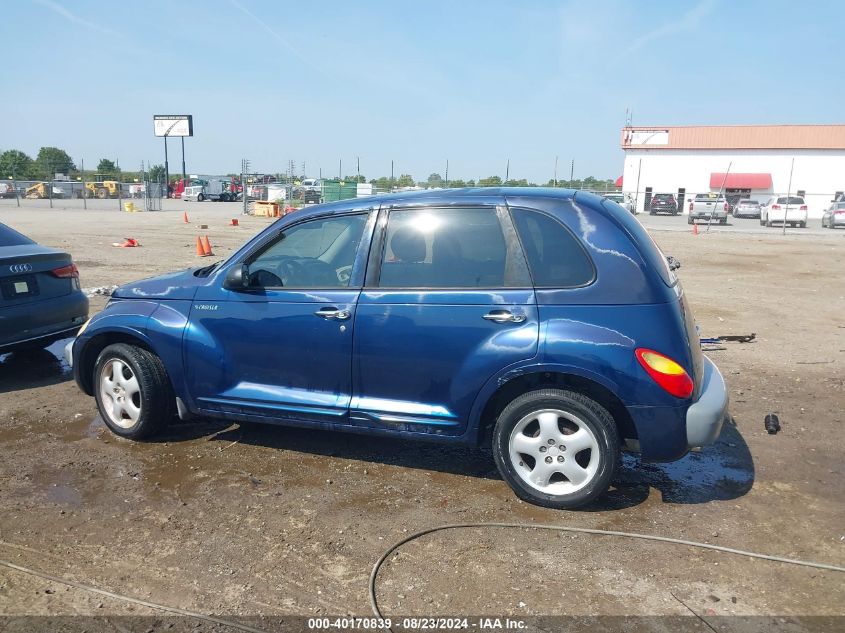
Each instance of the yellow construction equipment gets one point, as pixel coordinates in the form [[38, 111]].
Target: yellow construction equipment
[[102, 189], [37, 191]]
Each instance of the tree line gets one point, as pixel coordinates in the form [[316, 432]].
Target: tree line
[[17, 165]]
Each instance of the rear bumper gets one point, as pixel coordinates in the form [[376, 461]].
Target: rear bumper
[[706, 416], [39, 324], [42, 340]]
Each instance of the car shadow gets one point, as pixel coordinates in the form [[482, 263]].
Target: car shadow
[[719, 472], [35, 367]]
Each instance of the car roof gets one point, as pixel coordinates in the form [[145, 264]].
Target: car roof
[[475, 195]]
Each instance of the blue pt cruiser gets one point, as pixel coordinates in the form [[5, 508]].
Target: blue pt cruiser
[[543, 323]]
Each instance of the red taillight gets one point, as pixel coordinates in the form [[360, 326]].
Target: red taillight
[[726, 206], [803, 207], [665, 372], [776, 206], [66, 272], [690, 206]]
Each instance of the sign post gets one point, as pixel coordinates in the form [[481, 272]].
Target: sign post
[[165, 125]]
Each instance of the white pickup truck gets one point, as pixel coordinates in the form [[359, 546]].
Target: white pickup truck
[[712, 207]]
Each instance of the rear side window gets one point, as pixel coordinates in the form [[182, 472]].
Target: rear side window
[[10, 237], [556, 258], [790, 200], [444, 248]]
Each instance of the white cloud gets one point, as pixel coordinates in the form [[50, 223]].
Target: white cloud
[[687, 22], [55, 7]]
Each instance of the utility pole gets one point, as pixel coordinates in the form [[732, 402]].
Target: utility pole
[[555, 179], [446, 183], [244, 172], [571, 173], [507, 171], [391, 175], [340, 169], [358, 160], [50, 183], [84, 193], [15, 184], [789, 193]]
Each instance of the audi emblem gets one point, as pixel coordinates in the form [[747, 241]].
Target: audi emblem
[[21, 268]]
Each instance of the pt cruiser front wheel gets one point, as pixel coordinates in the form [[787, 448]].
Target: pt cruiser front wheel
[[556, 448], [133, 392]]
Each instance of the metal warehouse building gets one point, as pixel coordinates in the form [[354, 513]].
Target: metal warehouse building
[[753, 161]]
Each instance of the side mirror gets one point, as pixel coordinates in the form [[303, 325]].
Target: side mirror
[[237, 278]]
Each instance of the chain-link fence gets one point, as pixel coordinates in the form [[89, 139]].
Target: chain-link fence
[[78, 194]]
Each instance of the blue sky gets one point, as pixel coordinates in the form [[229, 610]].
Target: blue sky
[[474, 82]]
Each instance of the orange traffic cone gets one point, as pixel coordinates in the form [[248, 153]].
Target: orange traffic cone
[[694, 228], [206, 246], [200, 250], [184, 217]]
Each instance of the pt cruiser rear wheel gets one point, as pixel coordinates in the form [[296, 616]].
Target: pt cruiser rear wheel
[[556, 448], [133, 392]]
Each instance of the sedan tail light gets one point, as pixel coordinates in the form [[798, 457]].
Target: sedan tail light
[[690, 206], [66, 272], [776, 207], [726, 206], [803, 207], [665, 372]]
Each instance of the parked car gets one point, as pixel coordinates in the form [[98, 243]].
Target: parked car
[[834, 216], [790, 210], [543, 323], [40, 298], [708, 206], [747, 209], [7, 190], [623, 200], [663, 203]]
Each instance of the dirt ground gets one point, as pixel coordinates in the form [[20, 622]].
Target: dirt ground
[[250, 520]]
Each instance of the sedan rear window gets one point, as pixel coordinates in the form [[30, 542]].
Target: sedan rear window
[[790, 200], [10, 237]]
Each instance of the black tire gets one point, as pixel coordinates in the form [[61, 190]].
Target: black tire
[[768, 223], [155, 397], [652, 212], [102, 193], [592, 417], [802, 225], [690, 220], [200, 197]]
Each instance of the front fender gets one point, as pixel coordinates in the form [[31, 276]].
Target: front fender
[[157, 326]]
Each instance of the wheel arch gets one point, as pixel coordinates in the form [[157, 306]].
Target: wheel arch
[[552, 379], [96, 344]]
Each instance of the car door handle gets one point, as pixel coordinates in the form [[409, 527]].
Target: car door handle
[[504, 316], [333, 314]]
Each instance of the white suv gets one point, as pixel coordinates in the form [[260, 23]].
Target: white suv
[[791, 210]]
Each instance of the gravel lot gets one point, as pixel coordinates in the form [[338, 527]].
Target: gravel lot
[[244, 521]]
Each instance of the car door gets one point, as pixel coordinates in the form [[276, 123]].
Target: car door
[[448, 304], [281, 347]]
